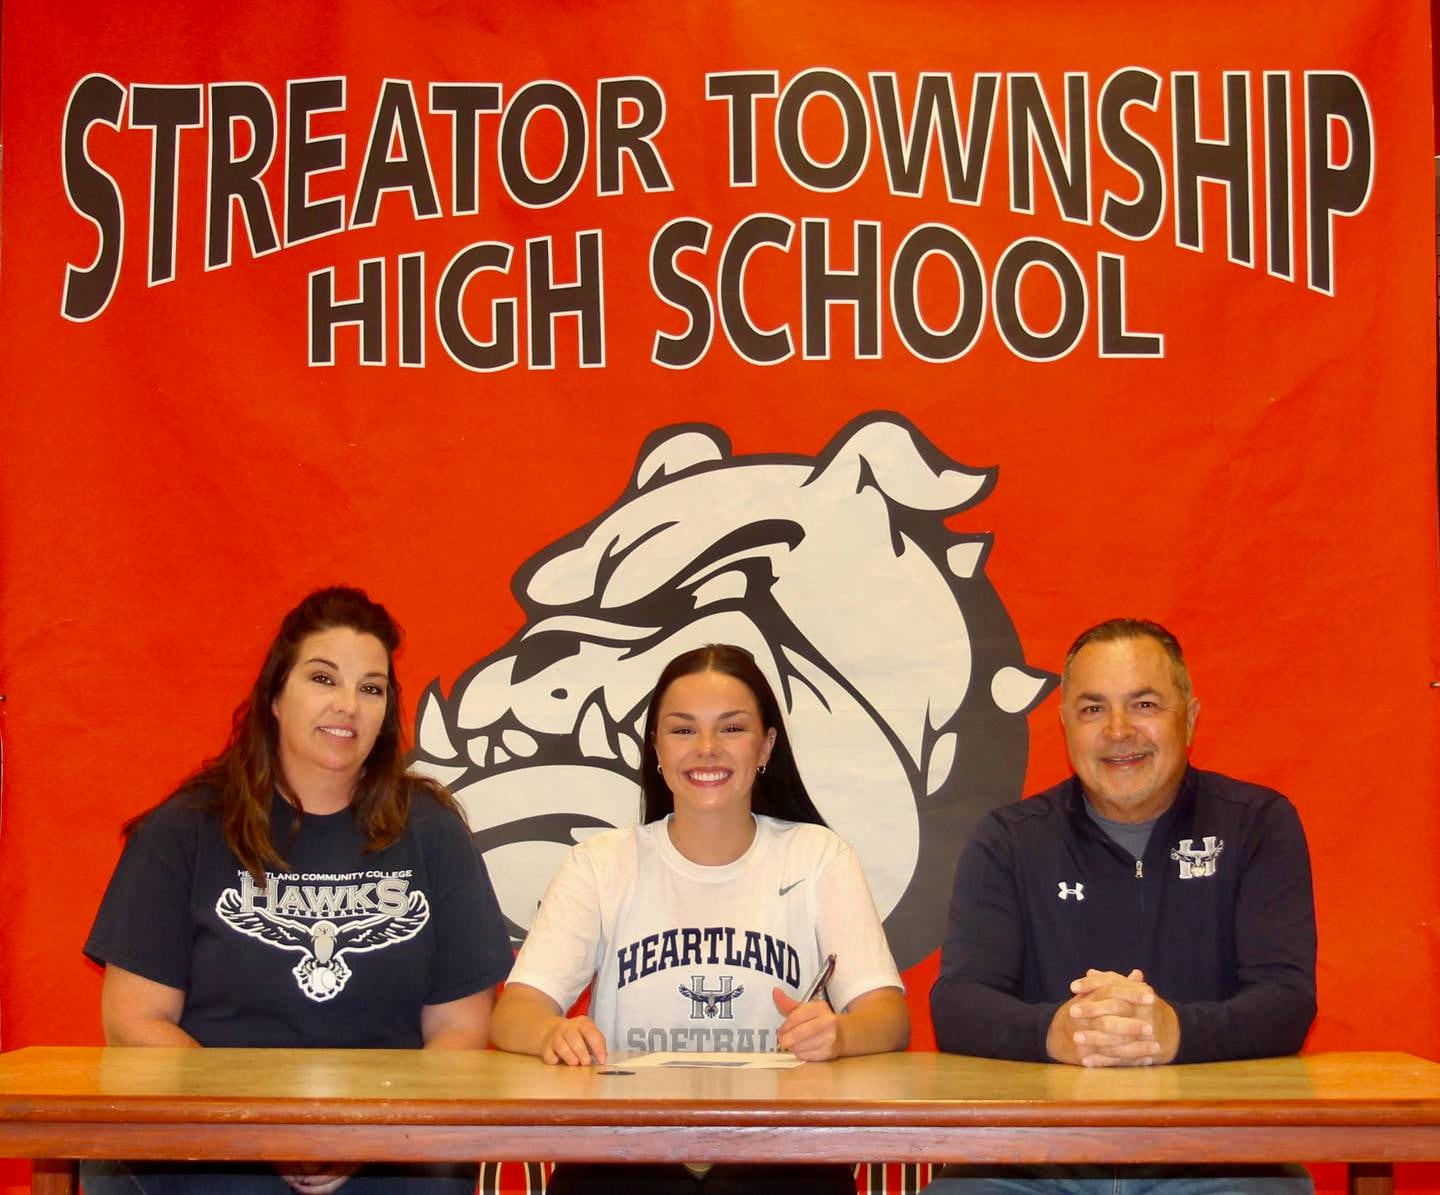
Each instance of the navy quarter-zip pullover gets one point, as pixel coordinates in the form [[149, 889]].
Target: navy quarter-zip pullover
[[1219, 915]]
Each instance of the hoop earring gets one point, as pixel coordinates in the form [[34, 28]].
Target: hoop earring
[[761, 769], [659, 769]]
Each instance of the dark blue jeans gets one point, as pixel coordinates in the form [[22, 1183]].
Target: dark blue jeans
[[259, 1178], [1122, 1180]]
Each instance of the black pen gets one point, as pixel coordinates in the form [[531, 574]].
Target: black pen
[[826, 970]]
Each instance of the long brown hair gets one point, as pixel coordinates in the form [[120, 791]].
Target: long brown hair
[[239, 782]]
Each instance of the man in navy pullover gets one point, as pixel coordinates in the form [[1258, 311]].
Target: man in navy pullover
[[1139, 913]]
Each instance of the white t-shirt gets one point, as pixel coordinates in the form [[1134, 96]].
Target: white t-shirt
[[685, 957]]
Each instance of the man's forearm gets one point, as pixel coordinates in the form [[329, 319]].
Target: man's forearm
[[971, 1018], [1261, 1021]]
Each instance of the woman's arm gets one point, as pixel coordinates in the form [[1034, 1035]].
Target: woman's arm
[[462, 1024], [527, 1021], [136, 1011], [866, 985], [872, 1023]]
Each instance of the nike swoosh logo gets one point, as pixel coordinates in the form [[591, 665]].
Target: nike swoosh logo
[[787, 887]]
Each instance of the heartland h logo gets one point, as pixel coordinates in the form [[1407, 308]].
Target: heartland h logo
[[1198, 862], [707, 1004]]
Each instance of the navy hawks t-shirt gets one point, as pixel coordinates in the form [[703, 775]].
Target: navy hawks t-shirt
[[342, 950]]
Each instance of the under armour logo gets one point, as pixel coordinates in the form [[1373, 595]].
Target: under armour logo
[[786, 887], [1197, 862], [1069, 890]]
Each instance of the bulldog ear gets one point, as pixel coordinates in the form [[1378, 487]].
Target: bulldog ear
[[671, 451], [885, 450]]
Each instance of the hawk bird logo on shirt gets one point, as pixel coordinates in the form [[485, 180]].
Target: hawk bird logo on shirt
[[712, 1000], [323, 973]]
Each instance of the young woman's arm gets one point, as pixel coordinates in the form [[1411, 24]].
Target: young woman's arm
[[872, 1023], [527, 1021]]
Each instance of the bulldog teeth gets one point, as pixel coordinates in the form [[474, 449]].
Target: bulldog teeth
[[439, 772], [629, 750], [478, 749], [486, 698], [593, 738], [517, 742], [434, 739]]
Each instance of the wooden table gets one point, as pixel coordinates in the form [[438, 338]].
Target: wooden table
[[58, 1104]]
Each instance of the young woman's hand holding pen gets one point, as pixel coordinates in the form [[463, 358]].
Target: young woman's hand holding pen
[[811, 1030]]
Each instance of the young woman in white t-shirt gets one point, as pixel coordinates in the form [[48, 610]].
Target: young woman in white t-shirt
[[700, 928]]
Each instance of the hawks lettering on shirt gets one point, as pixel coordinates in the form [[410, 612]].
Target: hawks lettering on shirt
[[325, 921], [715, 946]]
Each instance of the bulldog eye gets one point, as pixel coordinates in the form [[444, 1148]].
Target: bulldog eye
[[539, 652], [731, 585]]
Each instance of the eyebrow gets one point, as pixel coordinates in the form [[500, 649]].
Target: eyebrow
[[336, 667], [691, 717], [1089, 697]]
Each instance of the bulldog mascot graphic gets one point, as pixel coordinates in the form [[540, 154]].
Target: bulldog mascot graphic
[[901, 676]]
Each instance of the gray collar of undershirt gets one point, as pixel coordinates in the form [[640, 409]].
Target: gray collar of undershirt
[[1131, 836]]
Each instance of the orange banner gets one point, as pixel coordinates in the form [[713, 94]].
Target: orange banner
[[898, 343]]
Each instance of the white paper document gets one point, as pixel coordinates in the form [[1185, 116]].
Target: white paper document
[[698, 1059]]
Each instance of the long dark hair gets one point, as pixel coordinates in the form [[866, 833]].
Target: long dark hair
[[239, 781], [778, 791]]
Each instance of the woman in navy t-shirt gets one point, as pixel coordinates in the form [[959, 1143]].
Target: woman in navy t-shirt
[[302, 890]]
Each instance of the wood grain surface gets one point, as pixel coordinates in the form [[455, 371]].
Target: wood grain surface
[[58, 1103]]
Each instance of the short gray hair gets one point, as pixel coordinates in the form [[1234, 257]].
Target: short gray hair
[[1114, 630]]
